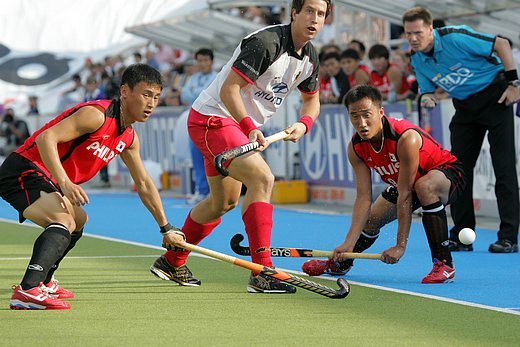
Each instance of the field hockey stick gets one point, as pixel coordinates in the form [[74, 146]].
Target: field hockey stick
[[343, 291], [297, 252], [241, 150]]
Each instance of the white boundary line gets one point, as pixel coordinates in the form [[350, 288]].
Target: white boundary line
[[400, 291], [434, 297]]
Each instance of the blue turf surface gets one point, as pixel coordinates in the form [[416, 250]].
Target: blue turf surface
[[482, 277]]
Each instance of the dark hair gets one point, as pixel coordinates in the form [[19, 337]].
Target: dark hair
[[378, 51], [438, 23], [136, 73], [331, 55], [350, 53], [205, 52], [298, 5], [361, 45], [416, 13], [362, 91]]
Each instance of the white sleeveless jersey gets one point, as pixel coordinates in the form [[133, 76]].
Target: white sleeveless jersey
[[267, 60]]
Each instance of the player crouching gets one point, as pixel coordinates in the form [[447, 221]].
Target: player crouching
[[420, 174]]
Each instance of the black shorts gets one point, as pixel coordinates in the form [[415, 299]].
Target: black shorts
[[453, 171], [21, 182]]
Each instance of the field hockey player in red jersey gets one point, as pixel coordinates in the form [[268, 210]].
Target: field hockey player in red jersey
[[420, 173], [42, 178]]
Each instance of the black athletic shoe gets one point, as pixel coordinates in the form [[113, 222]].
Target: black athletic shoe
[[455, 246], [503, 246], [268, 285], [182, 275]]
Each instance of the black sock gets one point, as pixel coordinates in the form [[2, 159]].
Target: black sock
[[74, 237], [48, 248], [366, 239], [436, 227]]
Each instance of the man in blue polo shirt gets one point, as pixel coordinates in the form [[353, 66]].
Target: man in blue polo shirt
[[479, 73], [191, 91]]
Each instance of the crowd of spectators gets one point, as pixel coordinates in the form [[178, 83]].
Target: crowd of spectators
[[342, 66]]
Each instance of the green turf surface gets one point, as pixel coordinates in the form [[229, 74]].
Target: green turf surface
[[119, 303]]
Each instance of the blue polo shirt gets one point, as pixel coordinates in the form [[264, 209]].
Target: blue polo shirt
[[462, 63]]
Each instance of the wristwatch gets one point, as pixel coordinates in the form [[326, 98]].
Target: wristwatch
[[515, 83]]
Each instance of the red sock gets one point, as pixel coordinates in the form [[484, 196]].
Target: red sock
[[195, 233], [258, 220]]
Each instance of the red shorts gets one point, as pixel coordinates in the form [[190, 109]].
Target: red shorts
[[212, 135]]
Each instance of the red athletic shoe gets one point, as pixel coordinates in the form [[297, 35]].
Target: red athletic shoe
[[320, 267], [54, 289], [35, 299], [441, 273]]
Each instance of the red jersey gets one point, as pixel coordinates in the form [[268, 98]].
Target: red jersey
[[352, 79], [326, 89], [386, 162], [83, 157], [383, 82]]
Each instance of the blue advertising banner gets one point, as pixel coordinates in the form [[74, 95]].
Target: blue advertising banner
[[323, 152]]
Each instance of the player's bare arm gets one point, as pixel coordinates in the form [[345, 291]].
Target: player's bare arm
[[361, 207], [147, 190], [408, 152], [362, 77], [86, 120], [230, 96], [311, 108], [143, 182]]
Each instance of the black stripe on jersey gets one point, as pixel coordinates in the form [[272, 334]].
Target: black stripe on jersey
[[111, 112], [261, 49], [493, 60], [113, 109], [389, 132], [73, 146], [452, 30]]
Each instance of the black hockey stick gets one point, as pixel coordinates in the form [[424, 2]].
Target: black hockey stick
[[342, 292], [297, 252], [241, 150]]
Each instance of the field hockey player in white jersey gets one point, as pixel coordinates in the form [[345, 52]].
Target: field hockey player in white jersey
[[265, 67]]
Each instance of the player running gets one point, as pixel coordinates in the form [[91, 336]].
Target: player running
[[264, 69], [420, 174], [41, 179]]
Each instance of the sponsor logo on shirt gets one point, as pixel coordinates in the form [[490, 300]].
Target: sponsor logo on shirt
[[454, 79], [249, 67], [103, 152], [385, 171], [280, 88]]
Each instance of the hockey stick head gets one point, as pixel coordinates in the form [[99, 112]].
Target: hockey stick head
[[219, 165], [232, 153], [344, 289], [236, 247]]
